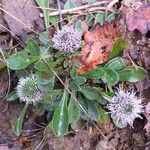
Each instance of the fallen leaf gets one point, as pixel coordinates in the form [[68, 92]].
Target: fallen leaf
[[98, 45], [24, 16], [147, 115], [138, 19]]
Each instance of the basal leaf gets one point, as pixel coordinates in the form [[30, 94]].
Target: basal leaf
[[104, 117], [90, 93], [133, 74], [41, 66], [79, 80], [60, 119], [119, 45], [95, 74], [100, 18], [111, 77], [93, 111], [12, 96], [115, 63], [17, 126], [18, 61], [33, 47], [73, 111]]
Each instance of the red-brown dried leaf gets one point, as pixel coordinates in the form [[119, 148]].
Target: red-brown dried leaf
[[138, 19], [98, 44]]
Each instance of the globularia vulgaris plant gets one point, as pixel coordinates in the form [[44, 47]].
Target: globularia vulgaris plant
[[47, 77]]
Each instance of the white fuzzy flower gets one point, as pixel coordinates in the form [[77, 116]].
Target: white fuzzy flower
[[67, 39], [125, 107], [28, 91]]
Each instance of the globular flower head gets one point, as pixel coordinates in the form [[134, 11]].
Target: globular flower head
[[125, 107], [28, 91], [67, 39]]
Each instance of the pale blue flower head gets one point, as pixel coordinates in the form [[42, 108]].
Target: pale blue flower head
[[125, 107], [67, 39], [28, 91]]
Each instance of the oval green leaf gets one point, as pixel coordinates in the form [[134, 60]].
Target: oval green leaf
[[95, 74], [115, 63], [60, 119], [17, 126], [133, 74], [90, 93], [111, 77], [18, 61], [73, 111], [119, 45]]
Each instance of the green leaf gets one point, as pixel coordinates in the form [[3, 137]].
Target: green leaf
[[70, 4], [93, 111], [83, 102], [95, 74], [60, 119], [44, 4], [44, 38], [100, 18], [41, 66], [104, 117], [91, 93], [111, 77], [17, 126], [33, 47], [73, 111], [22, 73], [54, 20], [133, 74], [2, 65], [74, 86], [118, 123], [12, 96], [17, 61], [79, 80], [115, 63], [38, 109], [111, 17], [89, 18], [73, 72], [90, 107], [52, 103], [78, 26], [47, 87], [119, 45]]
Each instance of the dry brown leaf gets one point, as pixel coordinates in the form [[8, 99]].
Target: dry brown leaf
[[25, 11], [98, 44], [138, 19], [147, 115]]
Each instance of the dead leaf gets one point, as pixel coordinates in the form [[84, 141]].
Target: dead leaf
[[98, 44], [147, 115], [4, 147], [138, 19], [25, 12]]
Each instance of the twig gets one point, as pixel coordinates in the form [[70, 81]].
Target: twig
[[60, 14], [80, 8]]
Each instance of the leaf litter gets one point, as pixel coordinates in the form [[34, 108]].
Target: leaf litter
[[98, 45]]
